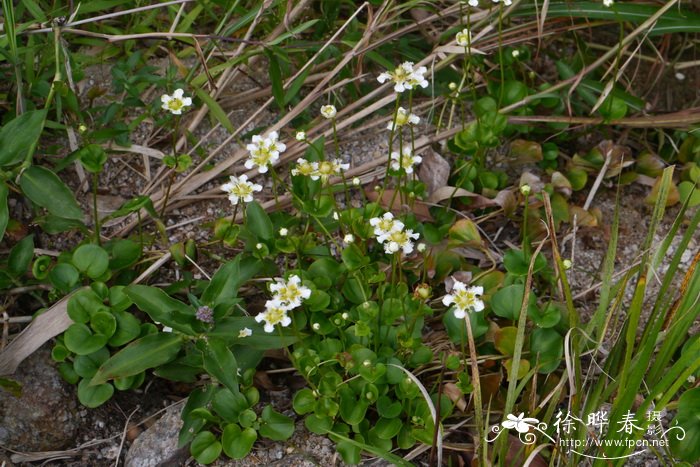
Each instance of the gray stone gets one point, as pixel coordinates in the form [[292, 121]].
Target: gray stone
[[45, 416], [158, 444]]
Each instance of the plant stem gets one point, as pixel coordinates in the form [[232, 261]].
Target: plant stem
[[95, 178]]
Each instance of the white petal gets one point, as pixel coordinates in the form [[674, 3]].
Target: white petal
[[448, 300], [262, 169], [477, 289], [259, 317], [478, 305], [165, 98], [249, 164], [460, 313], [178, 93], [187, 101], [268, 327], [286, 321], [508, 424]]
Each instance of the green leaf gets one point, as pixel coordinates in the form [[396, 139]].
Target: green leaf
[[4, 211], [124, 253], [304, 401], [148, 352], [44, 188], [205, 448], [229, 405], [86, 366], [237, 443], [546, 349], [387, 428], [128, 329], [275, 426], [79, 339], [318, 425], [258, 221], [91, 260], [228, 329], [94, 396], [11, 386], [20, 256], [225, 283], [276, 79], [161, 307], [93, 157], [220, 363], [217, 112], [64, 277], [687, 190], [353, 257], [349, 452], [507, 302], [103, 323], [20, 134], [687, 419]]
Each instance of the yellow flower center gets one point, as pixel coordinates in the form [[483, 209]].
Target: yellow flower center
[[399, 237], [465, 299], [175, 104], [242, 190], [401, 118], [261, 156], [386, 224], [274, 315], [325, 168], [289, 293]]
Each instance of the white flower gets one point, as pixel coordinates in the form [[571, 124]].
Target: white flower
[[405, 77], [398, 240], [275, 313], [403, 117], [316, 326], [420, 247], [345, 316], [283, 232], [608, 3], [300, 136], [264, 151], [520, 423], [328, 111], [240, 189], [464, 38], [680, 76], [259, 246], [506, 2], [385, 225], [465, 299], [327, 168], [290, 294], [515, 53], [349, 238], [245, 332], [473, 2], [356, 181], [305, 168], [406, 160], [175, 103]]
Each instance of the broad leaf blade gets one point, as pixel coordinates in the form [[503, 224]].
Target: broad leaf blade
[[148, 352], [44, 188]]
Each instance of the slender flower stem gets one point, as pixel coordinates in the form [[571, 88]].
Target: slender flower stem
[[171, 178], [95, 179]]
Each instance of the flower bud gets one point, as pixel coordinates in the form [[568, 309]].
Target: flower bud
[[525, 190], [567, 264], [284, 232]]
